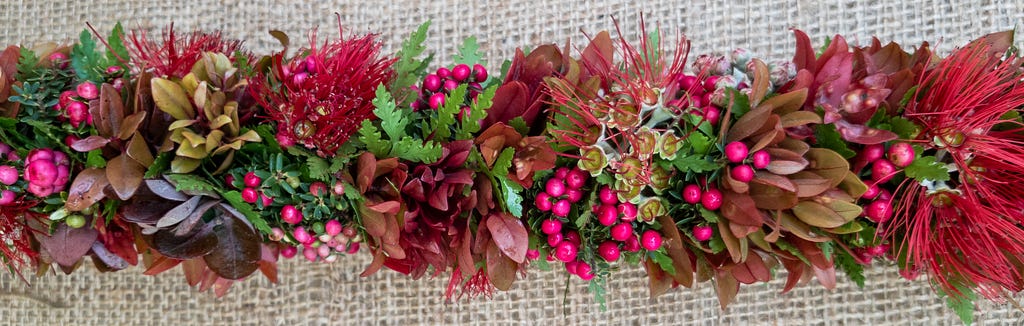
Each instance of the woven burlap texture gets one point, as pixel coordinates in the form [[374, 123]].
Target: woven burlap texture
[[311, 294]]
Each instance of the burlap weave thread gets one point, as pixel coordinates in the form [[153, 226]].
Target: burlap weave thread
[[318, 294]]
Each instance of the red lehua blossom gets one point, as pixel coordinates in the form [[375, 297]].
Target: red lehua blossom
[[174, 55], [16, 235], [320, 99], [967, 232]]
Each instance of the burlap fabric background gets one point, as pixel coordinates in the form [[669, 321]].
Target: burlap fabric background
[[320, 294]]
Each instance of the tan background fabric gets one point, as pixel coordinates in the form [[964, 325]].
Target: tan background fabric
[[317, 294]]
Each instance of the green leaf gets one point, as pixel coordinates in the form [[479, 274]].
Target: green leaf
[[510, 194], [663, 261], [716, 244], [829, 137], [85, 59], [926, 168], [27, 64], [790, 248], [235, 199], [849, 265], [827, 248], [503, 162], [477, 111], [191, 182], [963, 304], [519, 124], [117, 51], [699, 143], [908, 95], [469, 52], [904, 128], [94, 159], [319, 168], [739, 102], [408, 68], [369, 135], [693, 163], [448, 112], [392, 120], [708, 215], [596, 288], [160, 164], [416, 150]]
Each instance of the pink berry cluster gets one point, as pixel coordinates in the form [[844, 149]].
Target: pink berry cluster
[[299, 70], [561, 191], [565, 247], [702, 93], [710, 199], [737, 154], [883, 166], [319, 246], [436, 87], [251, 193], [74, 104], [620, 217], [46, 171]]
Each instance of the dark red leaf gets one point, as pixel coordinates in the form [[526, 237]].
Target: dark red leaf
[[201, 241], [89, 143], [125, 175], [500, 269], [86, 190], [67, 245], [509, 235], [237, 251], [110, 259]]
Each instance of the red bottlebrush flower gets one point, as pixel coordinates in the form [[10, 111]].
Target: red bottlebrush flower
[[16, 235], [966, 232], [321, 98], [174, 55]]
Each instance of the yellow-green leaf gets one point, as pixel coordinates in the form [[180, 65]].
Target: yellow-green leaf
[[171, 98], [182, 164], [815, 214]]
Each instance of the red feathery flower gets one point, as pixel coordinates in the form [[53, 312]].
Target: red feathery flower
[[967, 232], [174, 55], [320, 99], [16, 235]]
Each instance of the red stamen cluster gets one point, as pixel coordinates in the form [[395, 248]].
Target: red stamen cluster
[[174, 55]]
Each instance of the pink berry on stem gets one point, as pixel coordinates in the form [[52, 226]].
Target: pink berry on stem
[[338, 188], [554, 187], [318, 188], [566, 251], [41, 172], [622, 231], [66, 97], [609, 250], [450, 85], [607, 215], [289, 251], [353, 248], [7, 197], [650, 240], [878, 211], [872, 192], [761, 159], [252, 180], [561, 208], [573, 236], [250, 195], [302, 236], [443, 72], [332, 227], [554, 239], [571, 267], [882, 170], [573, 195], [436, 101], [607, 196], [709, 83], [872, 152], [461, 72], [310, 253], [575, 179], [884, 195], [901, 154], [300, 78], [736, 151], [742, 173], [711, 199], [87, 90], [266, 200], [584, 271], [631, 244], [561, 173], [543, 202], [712, 114], [702, 232], [432, 83], [291, 215], [551, 226], [8, 175], [479, 73], [532, 254], [691, 193]]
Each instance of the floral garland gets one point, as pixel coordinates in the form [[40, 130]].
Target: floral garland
[[190, 150]]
